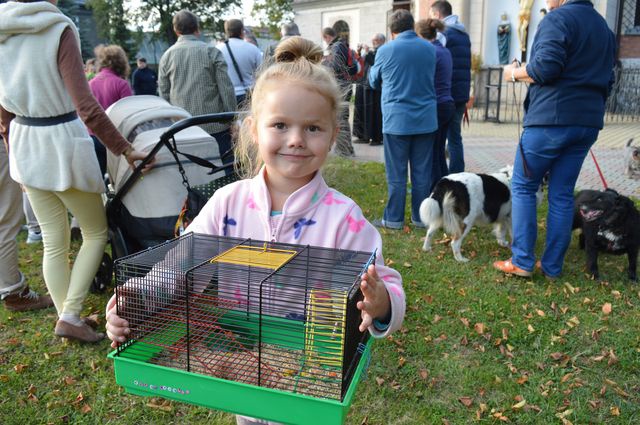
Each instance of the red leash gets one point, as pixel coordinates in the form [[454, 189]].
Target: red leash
[[604, 182]]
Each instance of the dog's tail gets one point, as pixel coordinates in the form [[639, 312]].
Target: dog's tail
[[430, 213], [629, 142], [450, 220]]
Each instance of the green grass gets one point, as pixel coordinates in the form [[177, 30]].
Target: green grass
[[473, 346]]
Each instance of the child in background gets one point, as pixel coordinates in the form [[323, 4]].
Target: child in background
[[292, 125]]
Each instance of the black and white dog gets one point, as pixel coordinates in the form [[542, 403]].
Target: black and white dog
[[632, 168], [461, 200], [610, 223]]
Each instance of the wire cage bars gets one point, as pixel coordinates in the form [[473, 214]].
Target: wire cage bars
[[272, 315]]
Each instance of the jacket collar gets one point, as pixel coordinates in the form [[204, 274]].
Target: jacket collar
[[407, 34], [187, 37], [298, 203]]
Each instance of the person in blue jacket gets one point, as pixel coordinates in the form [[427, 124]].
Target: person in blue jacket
[[405, 69], [455, 38], [571, 75]]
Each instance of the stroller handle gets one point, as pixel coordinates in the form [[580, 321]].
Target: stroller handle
[[197, 120], [116, 201]]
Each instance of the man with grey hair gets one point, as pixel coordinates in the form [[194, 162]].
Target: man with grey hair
[[404, 69], [289, 29], [193, 75]]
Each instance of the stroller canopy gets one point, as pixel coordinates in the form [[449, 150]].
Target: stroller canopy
[[161, 193]]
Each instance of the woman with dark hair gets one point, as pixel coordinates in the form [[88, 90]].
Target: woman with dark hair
[[108, 86], [428, 29], [50, 151]]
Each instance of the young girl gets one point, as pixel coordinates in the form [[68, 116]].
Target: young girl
[[291, 127]]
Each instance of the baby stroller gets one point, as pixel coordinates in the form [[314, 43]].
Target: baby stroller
[[142, 211]]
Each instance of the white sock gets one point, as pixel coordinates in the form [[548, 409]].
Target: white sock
[[73, 319]]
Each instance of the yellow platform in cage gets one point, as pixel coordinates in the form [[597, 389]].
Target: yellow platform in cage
[[268, 258]]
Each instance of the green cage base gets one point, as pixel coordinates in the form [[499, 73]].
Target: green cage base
[[141, 378]]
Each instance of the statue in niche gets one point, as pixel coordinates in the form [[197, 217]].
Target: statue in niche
[[504, 39], [524, 17]]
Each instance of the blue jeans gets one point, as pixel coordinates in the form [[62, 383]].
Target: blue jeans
[[454, 137], [561, 152], [416, 150], [440, 169]]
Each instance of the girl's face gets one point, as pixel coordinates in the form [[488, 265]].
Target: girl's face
[[294, 129]]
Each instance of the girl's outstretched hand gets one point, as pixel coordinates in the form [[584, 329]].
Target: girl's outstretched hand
[[376, 303], [117, 327]]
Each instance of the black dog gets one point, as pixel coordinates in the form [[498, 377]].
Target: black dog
[[610, 223]]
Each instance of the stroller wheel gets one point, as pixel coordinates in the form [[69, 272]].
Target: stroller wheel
[[103, 276]]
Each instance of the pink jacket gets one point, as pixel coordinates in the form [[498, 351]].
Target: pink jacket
[[314, 215], [107, 87]]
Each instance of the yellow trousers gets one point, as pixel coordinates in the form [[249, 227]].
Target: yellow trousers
[[69, 287]]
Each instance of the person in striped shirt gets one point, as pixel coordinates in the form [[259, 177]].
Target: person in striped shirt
[[193, 75]]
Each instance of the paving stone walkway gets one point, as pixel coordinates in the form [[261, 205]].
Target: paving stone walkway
[[489, 147]]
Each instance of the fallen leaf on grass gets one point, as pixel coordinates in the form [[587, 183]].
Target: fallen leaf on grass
[[606, 308], [564, 414], [531, 329], [540, 313], [424, 374], [479, 328], [379, 380], [466, 401], [4, 378], [20, 367], [519, 405], [79, 399], [401, 361], [465, 321], [68, 380], [522, 379], [407, 265], [160, 406], [615, 411], [85, 408]]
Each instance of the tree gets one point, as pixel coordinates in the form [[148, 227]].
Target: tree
[[111, 20], [272, 14], [161, 13]]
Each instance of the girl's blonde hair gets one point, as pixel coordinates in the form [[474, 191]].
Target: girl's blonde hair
[[296, 61], [114, 58]]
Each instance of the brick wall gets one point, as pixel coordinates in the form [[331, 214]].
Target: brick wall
[[629, 46]]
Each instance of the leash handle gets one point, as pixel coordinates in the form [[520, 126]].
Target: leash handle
[[604, 182]]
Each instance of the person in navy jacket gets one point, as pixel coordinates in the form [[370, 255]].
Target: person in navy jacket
[[455, 38], [405, 69], [571, 75]]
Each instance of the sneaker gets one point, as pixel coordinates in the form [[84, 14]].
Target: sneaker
[[34, 237], [509, 268], [82, 333], [27, 300], [379, 222]]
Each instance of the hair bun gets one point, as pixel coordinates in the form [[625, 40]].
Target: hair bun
[[297, 48]]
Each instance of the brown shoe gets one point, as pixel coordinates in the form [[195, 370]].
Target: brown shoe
[[82, 333], [27, 300], [509, 268]]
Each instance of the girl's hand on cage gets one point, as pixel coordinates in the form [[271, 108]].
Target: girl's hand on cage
[[117, 327], [376, 304]]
